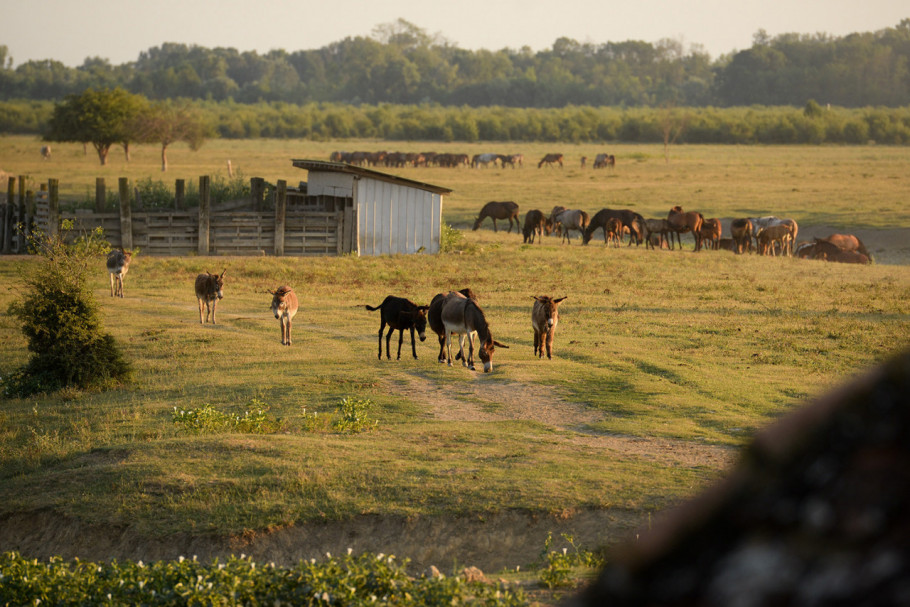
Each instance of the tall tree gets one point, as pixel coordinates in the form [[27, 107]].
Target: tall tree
[[101, 117], [166, 123]]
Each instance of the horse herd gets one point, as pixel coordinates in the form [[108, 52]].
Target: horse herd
[[453, 313], [765, 235], [434, 159]]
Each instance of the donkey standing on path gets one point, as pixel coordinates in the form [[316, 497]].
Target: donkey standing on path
[[118, 263], [209, 289], [545, 317], [284, 307]]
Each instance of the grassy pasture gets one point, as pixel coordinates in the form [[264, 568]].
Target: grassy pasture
[[694, 351]]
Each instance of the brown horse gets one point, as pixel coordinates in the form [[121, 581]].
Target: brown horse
[[464, 317], [741, 231], [711, 232], [658, 227], [682, 222], [631, 221], [544, 318], [550, 160], [847, 242], [498, 210], [536, 224]]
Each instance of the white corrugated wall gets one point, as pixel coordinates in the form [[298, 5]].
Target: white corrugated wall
[[394, 218]]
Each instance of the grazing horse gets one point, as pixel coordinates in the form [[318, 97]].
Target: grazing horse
[[741, 231], [511, 159], [464, 317], [613, 231], [570, 219], [544, 318], [536, 223], [498, 210], [681, 222], [284, 307], [550, 160], [484, 159], [434, 319], [711, 231], [400, 314], [604, 160], [209, 289], [630, 220], [118, 263]]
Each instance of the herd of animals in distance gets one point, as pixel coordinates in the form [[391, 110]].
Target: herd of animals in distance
[[458, 313]]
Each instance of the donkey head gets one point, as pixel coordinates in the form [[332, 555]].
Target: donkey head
[[217, 282], [485, 352], [549, 308]]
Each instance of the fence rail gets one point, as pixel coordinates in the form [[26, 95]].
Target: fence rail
[[203, 231]]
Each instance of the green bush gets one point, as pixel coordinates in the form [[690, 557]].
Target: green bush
[[209, 420], [353, 418], [60, 318], [559, 569]]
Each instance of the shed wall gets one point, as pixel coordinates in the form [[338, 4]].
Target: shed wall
[[392, 218]]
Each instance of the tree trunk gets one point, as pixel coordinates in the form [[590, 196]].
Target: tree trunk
[[163, 158], [126, 150], [102, 150]]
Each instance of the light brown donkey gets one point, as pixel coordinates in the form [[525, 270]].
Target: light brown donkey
[[544, 318], [118, 263], [284, 307], [209, 289]]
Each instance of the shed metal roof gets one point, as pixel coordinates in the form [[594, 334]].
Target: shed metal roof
[[343, 167]]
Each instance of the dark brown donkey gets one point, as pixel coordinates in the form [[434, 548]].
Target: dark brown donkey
[[284, 307], [545, 317], [434, 319], [463, 316], [400, 314], [209, 289], [499, 210]]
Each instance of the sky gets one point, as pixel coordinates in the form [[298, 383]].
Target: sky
[[72, 30]]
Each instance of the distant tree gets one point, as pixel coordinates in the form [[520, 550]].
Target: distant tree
[[101, 117], [672, 124], [166, 123]]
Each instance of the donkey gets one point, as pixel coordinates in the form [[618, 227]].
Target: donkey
[[434, 319], [118, 263], [463, 316], [544, 318], [400, 314], [284, 307], [209, 289]]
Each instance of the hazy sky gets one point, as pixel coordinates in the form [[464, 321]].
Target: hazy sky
[[71, 30]]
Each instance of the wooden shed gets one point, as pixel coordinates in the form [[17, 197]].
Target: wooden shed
[[383, 214]]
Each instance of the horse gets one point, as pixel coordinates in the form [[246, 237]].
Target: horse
[[847, 242], [570, 219], [463, 316], [710, 232], [284, 307], [434, 319], [484, 159], [209, 289], [772, 235], [498, 210], [400, 314], [536, 223], [660, 227], [544, 318], [511, 159], [630, 220], [844, 256], [613, 231], [604, 160], [681, 222], [118, 263], [741, 231], [550, 160]]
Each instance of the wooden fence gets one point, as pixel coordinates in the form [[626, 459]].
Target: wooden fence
[[303, 229]]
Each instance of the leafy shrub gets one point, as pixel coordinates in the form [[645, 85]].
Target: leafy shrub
[[365, 579], [61, 320], [560, 565], [208, 420], [353, 416]]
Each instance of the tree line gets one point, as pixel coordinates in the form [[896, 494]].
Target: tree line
[[402, 64]]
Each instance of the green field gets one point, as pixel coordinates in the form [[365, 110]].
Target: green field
[[665, 363]]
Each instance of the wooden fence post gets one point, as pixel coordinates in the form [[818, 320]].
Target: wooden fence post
[[126, 215], [100, 195], [20, 217], [204, 215], [180, 195], [7, 234], [53, 207], [281, 207], [257, 191]]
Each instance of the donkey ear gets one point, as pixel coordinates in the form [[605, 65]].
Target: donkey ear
[[556, 301], [423, 308], [499, 345], [222, 273]]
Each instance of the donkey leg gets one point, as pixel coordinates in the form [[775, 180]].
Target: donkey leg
[[112, 284], [214, 305], [400, 340], [413, 344], [200, 309], [381, 331]]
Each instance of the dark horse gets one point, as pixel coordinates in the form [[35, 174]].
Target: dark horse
[[631, 220], [498, 210], [536, 223], [400, 313]]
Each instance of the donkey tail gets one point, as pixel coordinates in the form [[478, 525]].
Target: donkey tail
[[371, 308]]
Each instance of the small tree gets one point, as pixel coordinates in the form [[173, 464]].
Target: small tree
[[167, 123], [60, 319], [672, 125], [103, 118]]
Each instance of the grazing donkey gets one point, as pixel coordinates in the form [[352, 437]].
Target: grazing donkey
[[284, 307], [434, 319], [400, 314], [462, 316], [209, 289], [118, 263], [544, 318]]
